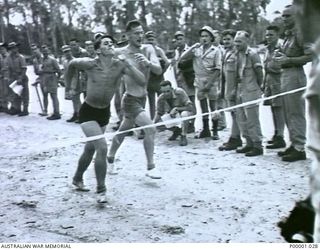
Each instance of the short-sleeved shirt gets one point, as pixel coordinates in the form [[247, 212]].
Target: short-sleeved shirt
[[247, 62], [270, 66], [179, 99], [247, 84], [229, 76], [15, 64], [204, 65], [49, 78], [185, 75], [37, 62], [293, 46]]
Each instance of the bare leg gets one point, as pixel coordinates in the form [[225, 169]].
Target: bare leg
[[118, 139], [148, 142], [99, 146]]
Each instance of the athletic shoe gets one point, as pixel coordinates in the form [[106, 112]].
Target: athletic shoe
[[102, 197], [111, 169], [153, 174], [80, 186]]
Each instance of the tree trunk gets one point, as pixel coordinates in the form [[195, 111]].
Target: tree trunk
[[143, 13], [2, 26], [53, 26]]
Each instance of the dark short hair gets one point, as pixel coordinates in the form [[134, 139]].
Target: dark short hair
[[165, 83], [229, 32], [273, 27], [132, 24], [97, 42]]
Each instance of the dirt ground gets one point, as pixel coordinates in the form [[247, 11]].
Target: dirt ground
[[204, 196]]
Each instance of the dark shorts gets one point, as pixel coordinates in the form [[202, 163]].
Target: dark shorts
[[132, 106], [88, 113]]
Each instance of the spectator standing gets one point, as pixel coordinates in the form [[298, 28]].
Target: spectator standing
[[294, 54], [207, 66], [15, 68], [249, 76]]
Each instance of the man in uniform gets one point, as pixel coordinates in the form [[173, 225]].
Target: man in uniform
[[50, 73], [184, 72], [15, 70], [174, 102], [249, 78], [207, 66], [294, 54], [80, 78], [272, 86], [154, 79], [229, 87]]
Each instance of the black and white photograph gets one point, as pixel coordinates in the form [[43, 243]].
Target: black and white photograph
[[159, 121]]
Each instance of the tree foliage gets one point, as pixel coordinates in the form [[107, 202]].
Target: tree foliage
[[56, 21]]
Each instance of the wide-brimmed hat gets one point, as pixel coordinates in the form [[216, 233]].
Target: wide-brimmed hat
[[208, 29], [12, 45]]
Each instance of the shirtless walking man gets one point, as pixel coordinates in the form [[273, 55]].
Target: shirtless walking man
[[142, 56], [104, 74]]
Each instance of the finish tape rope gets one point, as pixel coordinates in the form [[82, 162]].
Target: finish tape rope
[[70, 142]]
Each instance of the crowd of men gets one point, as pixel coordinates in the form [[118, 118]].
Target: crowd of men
[[220, 70]]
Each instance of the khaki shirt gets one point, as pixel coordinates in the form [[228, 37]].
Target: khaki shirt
[[205, 63], [248, 88], [229, 76], [14, 66], [179, 99], [293, 46], [50, 66]]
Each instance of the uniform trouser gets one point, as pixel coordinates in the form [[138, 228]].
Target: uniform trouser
[[17, 100], [235, 129], [248, 120], [3, 94], [278, 120], [222, 118], [294, 106]]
